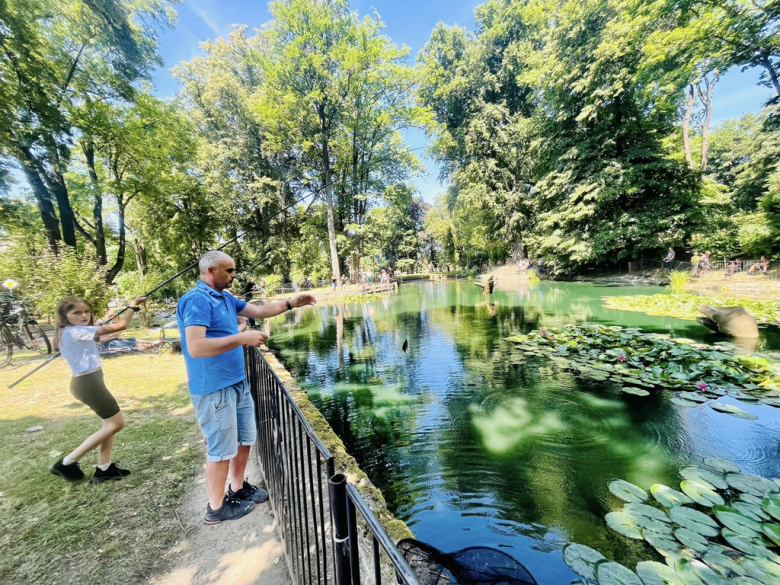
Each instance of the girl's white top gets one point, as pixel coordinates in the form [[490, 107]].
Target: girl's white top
[[78, 347]]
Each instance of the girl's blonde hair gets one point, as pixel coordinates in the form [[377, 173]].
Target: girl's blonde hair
[[64, 307]]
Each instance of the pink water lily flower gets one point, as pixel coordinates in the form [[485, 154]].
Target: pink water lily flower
[[543, 332], [622, 358], [702, 386]]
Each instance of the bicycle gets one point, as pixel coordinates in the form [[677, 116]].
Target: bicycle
[[18, 328]]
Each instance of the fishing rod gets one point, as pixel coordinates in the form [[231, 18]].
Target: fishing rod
[[183, 271]]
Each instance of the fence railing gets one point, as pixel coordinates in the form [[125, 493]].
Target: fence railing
[[734, 270], [322, 543]]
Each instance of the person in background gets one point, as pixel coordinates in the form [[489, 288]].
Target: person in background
[[669, 260], [695, 263], [249, 289], [539, 265], [333, 282], [763, 266], [75, 335], [705, 264]]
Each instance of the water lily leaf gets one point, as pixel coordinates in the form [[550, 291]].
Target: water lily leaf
[[627, 492], [684, 402], [751, 484], [694, 520], [731, 518], [609, 573], [643, 510], [623, 524], [762, 570], [663, 543], [749, 546], [668, 497], [723, 560], [772, 531], [693, 396], [704, 477], [701, 494], [721, 465], [771, 505], [707, 575], [692, 540], [635, 391], [685, 572], [653, 573], [750, 510], [582, 559], [732, 410]]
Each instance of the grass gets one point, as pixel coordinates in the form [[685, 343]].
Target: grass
[[52, 531], [678, 279]]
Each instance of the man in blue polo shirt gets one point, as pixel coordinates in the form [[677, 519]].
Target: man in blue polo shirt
[[208, 323]]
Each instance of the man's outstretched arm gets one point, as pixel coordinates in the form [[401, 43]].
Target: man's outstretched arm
[[198, 345], [274, 309]]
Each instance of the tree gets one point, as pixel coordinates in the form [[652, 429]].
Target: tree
[[54, 54]]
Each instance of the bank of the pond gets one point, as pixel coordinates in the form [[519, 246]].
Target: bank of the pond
[[472, 442]]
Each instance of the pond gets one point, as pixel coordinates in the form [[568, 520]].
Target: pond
[[473, 444]]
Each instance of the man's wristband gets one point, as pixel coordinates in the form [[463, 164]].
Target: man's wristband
[[289, 306], [134, 309]]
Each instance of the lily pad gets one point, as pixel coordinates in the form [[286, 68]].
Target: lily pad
[[720, 559], [731, 518], [653, 573], [627, 492], [692, 540], [721, 465], [750, 510], [732, 410], [692, 396], [762, 570], [668, 497], [772, 531], [635, 391], [749, 546], [582, 559], [639, 511], [771, 505], [751, 484], [663, 543], [701, 494], [704, 476], [623, 524], [609, 573], [694, 520]]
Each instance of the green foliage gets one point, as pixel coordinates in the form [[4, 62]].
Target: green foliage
[[630, 357], [678, 279], [54, 277], [684, 306]]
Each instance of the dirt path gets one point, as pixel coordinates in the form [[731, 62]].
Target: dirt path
[[240, 552]]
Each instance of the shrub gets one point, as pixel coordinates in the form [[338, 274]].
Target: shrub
[[54, 277], [678, 278]]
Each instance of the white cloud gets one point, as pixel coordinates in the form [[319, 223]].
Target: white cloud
[[206, 19]]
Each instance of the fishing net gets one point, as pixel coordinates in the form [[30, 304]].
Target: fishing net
[[476, 565]]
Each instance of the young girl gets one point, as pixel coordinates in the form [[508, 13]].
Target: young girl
[[74, 336]]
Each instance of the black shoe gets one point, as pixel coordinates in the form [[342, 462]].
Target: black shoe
[[70, 472], [231, 509], [249, 493], [113, 473]]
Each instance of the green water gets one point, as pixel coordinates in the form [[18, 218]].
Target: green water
[[473, 444]]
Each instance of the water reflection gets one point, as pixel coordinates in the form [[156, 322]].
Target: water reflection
[[473, 444]]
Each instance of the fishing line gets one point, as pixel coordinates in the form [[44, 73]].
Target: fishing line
[[190, 267]]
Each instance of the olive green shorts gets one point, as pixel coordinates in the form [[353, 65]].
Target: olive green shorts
[[91, 390]]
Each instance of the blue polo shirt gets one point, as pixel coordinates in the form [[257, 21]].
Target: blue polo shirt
[[218, 312]]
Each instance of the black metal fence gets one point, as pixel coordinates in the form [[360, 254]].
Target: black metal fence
[[314, 507]]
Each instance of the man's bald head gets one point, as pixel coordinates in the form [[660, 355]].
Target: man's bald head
[[217, 269]]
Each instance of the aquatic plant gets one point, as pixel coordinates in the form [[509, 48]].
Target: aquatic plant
[[678, 279], [723, 527], [533, 277], [635, 360], [684, 306]]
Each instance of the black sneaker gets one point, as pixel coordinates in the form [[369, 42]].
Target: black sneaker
[[249, 493], [113, 473], [231, 509], [70, 472]]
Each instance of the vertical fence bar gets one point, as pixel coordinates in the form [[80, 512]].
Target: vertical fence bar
[[377, 565], [354, 551], [322, 523], [338, 509], [313, 507]]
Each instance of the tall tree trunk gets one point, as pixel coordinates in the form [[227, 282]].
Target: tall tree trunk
[[97, 209], [687, 126], [67, 217], [706, 100], [140, 258], [334, 254], [772, 73], [120, 253], [51, 224]]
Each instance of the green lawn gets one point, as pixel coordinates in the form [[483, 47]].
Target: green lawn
[[52, 531]]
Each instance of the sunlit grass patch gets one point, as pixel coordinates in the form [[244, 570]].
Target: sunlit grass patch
[[54, 531]]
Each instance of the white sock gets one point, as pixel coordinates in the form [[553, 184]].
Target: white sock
[[66, 461], [104, 467]]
